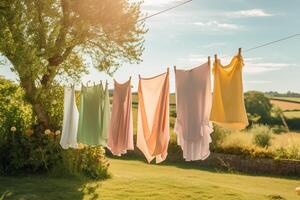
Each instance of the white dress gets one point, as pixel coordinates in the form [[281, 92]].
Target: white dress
[[70, 120], [193, 105]]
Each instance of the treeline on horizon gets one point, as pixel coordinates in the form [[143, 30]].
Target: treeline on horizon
[[287, 94], [270, 93]]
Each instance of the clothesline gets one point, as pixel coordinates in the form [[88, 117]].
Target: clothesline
[[196, 109], [269, 43], [265, 44], [165, 10], [244, 51], [272, 42]]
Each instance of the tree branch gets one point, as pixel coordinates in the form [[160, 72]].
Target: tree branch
[[60, 40], [41, 29], [53, 63]]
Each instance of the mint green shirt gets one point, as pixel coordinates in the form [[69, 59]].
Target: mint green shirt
[[94, 115]]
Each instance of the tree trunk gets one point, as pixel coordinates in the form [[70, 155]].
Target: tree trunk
[[38, 108], [41, 114]]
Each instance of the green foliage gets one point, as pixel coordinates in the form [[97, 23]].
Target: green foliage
[[54, 104], [278, 129], [258, 107], [21, 153], [218, 136], [47, 41], [89, 161], [14, 112], [262, 135], [251, 151], [290, 152]]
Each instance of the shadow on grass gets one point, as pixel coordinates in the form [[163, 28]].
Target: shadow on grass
[[34, 187], [196, 165]]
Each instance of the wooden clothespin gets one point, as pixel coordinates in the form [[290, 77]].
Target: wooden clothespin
[[216, 58], [240, 51], [87, 84], [168, 70], [140, 76], [174, 68], [208, 60]]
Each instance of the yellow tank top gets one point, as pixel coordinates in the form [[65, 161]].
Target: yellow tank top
[[228, 108]]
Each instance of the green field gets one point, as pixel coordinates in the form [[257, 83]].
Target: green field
[[292, 99], [138, 180], [292, 114]]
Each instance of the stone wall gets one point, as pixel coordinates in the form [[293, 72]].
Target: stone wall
[[252, 165]]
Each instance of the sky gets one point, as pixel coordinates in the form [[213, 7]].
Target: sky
[[187, 35]]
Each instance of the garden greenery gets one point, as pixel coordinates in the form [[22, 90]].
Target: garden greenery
[[24, 153], [22, 150]]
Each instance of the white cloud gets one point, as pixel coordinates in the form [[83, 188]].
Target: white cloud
[[249, 13], [216, 25], [257, 68], [252, 59]]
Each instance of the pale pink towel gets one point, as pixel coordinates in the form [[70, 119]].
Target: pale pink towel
[[193, 105], [120, 138], [153, 117]]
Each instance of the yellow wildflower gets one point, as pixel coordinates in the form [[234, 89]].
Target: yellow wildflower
[[29, 132]]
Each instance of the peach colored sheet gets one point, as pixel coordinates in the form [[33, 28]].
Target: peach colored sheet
[[153, 117]]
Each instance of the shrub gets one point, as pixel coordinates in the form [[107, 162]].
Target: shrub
[[87, 161], [262, 135], [13, 111], [277, 129], [257, 104], [25, 153], [238, 138], [21, 153], [218, 136], [290, 152], [246, 151]]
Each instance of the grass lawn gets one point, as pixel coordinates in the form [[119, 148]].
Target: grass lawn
[[137, 180]]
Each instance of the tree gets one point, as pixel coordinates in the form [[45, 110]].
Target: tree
[[50, 41], [258, 106]]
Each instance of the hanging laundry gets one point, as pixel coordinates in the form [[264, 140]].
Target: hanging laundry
[[93, 115], [228, 108], [153, 117], [120, 138], [193, 105], [70, 120]]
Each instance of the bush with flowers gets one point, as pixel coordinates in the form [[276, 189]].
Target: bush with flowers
[[13, 110], [26, 153], [23, 150]]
